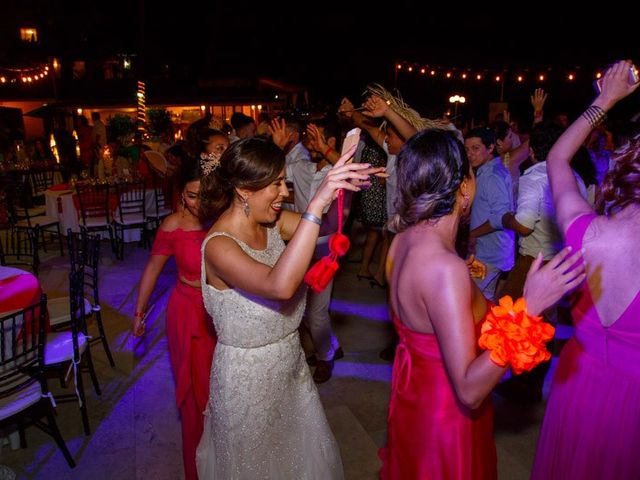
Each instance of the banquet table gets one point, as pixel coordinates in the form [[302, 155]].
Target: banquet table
[[18, 289], [61, 204]]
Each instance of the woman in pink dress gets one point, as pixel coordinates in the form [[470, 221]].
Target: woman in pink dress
[[190, 334], [440, 422], [591, 428]]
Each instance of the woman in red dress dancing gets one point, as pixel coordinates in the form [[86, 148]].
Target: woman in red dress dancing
[[440, 421], [190, 333]]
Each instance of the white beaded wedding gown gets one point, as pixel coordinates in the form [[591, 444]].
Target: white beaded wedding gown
[[264, 419]]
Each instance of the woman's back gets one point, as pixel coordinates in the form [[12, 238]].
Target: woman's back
[[592, 413], [417, 266], [613, 266]]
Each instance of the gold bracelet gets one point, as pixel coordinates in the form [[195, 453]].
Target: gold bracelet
[[594, 115]]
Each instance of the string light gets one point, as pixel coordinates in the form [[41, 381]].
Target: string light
[[27, 75], [502, 75]]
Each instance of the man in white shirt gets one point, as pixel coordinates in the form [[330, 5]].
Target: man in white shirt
[[535, 223], [307, 175]]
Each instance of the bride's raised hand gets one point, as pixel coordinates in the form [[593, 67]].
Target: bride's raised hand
[[344, 175]]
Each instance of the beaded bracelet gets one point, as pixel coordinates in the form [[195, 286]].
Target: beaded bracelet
[[594, 115]]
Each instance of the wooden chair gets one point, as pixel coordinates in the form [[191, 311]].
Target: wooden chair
[[95, 212], [84, 256], [20, 247], [24, 392], [130, 213], [69, 350]]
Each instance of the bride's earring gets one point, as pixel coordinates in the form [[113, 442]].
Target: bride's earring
[[245, 206], [465, 203]]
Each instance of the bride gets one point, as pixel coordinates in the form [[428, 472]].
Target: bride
[[264, 417]]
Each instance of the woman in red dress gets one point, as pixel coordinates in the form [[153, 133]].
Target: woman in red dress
[[190, 333], [440, 421]]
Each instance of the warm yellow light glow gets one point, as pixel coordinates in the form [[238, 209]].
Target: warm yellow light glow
[[497, 78], [399, 67], [541, 78], [422, 70], [54, 148], [28, 34], [448, 74], [410, 69], [570, 77], [79, 111], [203, 107], [520, 78], [598, 75], [253, 107], [3, 79], [464, 76], [478, 77], [433, 72], [259, 107]]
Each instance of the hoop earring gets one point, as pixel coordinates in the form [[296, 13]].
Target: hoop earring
[[245, 207]]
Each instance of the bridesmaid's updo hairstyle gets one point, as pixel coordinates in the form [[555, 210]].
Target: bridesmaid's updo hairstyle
[[431, 167], [621, 185], [252, 163]]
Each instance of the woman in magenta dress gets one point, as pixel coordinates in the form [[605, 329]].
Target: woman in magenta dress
[[591, 428], [440, 422], [190, 334]]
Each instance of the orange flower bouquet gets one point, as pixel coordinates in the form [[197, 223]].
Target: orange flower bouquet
[[515, 337]]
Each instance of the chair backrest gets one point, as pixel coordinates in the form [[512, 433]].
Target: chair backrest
[[84, 256], [163, 194], [41, 180], [16, 186], [94, 203], [78, 316], [22, 337], [20, 247], [131, 201]]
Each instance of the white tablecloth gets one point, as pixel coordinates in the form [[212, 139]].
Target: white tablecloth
[[70, 217]]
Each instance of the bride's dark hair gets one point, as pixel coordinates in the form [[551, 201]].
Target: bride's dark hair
[[252, 163], [431, 167]]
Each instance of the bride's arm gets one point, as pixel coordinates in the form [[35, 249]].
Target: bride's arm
[[227, 261]]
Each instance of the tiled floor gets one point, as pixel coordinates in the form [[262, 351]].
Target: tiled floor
[[135, 428]]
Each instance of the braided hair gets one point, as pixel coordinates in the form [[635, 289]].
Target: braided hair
[[431, 167]]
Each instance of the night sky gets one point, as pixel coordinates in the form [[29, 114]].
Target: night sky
[[336, 48]]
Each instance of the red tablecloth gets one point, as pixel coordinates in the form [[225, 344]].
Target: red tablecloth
[[18, 289]]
